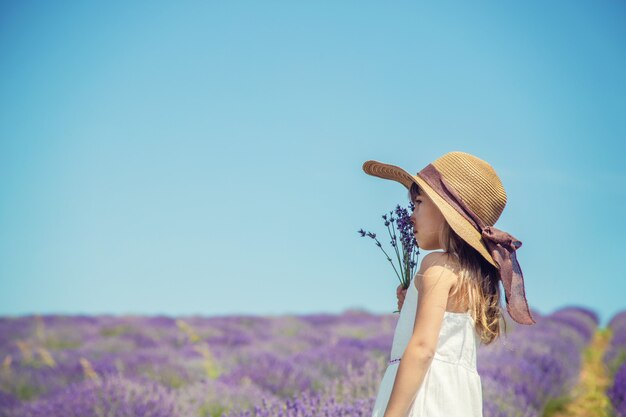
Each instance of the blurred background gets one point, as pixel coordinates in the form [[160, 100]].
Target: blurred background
[[205, 157]]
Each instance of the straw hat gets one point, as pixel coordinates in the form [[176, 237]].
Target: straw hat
[[471, 197]]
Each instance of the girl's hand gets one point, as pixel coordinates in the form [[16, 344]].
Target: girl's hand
[[401, 294]]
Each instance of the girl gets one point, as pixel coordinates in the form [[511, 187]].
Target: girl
[[432, 370]]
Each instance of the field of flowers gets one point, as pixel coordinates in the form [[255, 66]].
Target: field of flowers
[[615, 360], [236, 366]]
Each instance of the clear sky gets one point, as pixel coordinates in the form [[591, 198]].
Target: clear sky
[[205, 157]]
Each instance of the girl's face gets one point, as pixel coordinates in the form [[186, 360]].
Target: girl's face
[[427, 221]]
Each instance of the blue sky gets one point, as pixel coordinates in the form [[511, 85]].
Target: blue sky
[[205, 157]]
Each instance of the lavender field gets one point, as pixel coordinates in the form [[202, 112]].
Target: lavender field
[[314, 365]]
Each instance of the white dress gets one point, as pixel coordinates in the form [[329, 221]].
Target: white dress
[[452, 385]]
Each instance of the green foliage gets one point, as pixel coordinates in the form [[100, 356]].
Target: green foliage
[[556, 406], [617, 362], [114, 331], [22, 390], [164, 376], [57, 343], [212, 410]]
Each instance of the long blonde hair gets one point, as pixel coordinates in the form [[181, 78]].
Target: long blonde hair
[[478, 283]]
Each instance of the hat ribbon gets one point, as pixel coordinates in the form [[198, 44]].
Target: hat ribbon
[[501, 245]]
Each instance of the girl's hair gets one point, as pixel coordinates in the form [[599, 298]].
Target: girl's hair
[[477, 283]]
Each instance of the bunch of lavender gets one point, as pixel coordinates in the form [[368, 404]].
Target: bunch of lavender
[[407, 259]]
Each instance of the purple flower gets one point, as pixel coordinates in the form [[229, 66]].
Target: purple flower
[[407, 251]]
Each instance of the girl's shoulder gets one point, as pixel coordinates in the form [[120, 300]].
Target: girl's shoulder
[[450, 262], [443, 259]]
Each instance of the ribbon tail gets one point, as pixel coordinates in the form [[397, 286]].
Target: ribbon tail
[[513, 283], [517, 305], [510, 273]]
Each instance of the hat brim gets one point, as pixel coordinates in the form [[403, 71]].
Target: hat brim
[[457, 222]]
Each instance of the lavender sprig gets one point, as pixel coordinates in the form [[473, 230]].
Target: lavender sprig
[[409, 251]]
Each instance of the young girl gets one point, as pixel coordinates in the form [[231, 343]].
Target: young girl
[[432, 369]]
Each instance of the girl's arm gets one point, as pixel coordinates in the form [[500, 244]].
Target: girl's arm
[[433, 289]]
